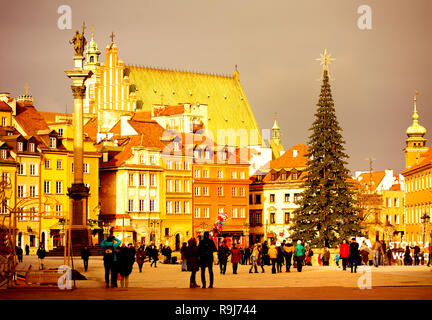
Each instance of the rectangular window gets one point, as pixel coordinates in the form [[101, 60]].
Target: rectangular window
[[152, 206], [272, 218], [32, 147], [167, 232], [20, 146], [131, 179], [86, 168], [205, 191], [3, 154], [59, 164], [47, 164], [287, 217], [197, 212], [296, 197], [5, 177], [287, 197], [396, 202], [186, 186], [206, 213], [47, 210], [21, 169], [250, 198], [283, 176], [205, 173], [295, 176], [178, 165], [242, 213], [235, 213], [197, 191], [169, 206], [186, 165], [242, 175], [141, 179], [59, 187], [131, 205], [220, 174], [234, 175], [53, 142], [197, 173], [33, 191], [220, 191], [141, 205], [186, 207], [169, 185], [47, 187], [177, 207], [258, 199], [21, 191], [4, 122], [33, 169], [397, 219], [272, 198], [233, 191], [152, 180], [241, 191], [60, 132], [178, 186]]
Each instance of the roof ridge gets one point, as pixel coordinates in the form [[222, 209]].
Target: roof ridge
[[178, 70]]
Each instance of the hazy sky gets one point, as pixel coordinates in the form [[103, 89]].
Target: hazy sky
[[273, 42]]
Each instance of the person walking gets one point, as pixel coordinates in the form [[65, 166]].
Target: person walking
[[140, 256], [110, 245], [280, 257], [206, 248], [235, 258], [85, 255], [248, 252], [416, 255], [354, 255], [272, 252], [191, 256], [326, 257], [19, 253], [289, 251], [27, 250], [344, 253], [183, 256], [299, 253], [223, 254], [254, 258], [242, 255], [154, 254], [364, 253], [265, 256], [132, 253], [376, 251], [41, 253]]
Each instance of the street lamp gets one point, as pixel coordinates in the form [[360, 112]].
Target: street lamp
[[425, 220]]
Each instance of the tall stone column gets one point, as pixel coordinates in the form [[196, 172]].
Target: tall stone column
[[78, 192]]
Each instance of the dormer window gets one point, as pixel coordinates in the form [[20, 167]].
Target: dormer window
[[283, 176], [176, 146], [3, 153], [53, 142], [274, 176], [32, 147], [207, 154], [4, 122], [20, 146], [295, 176], [60, 132]]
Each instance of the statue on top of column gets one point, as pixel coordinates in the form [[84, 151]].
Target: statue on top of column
[[79, 41]]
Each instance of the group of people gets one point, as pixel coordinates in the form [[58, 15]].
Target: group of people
[[118, 261]]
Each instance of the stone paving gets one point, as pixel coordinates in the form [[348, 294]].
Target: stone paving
[[171, 276]]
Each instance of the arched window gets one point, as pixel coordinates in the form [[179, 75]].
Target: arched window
[[91, 58]]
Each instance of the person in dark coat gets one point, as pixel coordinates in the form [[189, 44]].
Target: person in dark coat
[[27, 249], [85, 254], [183, 256], [168, 253], [140, 256], [247, 254], [265, 256], [192, 261], [280, 258], [154, 254], [132, 253], [41, 253], [354, 255], [235, 258], [19, 253], [123, 265], [223, 254], [206, 249]]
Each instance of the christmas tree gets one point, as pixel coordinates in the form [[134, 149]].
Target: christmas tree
[[327, 211]]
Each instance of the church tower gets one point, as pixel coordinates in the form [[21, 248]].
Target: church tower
[[275, 143], [92, 63], [415, 143]]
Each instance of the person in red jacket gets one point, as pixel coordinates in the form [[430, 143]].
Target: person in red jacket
[[235, 258], [344, 253]]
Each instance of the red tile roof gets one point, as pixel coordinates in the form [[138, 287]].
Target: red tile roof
[[51, 116], [169, 110], [142, 115], [91, 128], [5, 107], [287, 160], [375, 176], [30, 119]]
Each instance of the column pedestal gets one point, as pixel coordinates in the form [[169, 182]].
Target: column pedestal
[[80, 233]]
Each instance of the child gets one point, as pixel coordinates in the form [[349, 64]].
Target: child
[[337, 259]]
